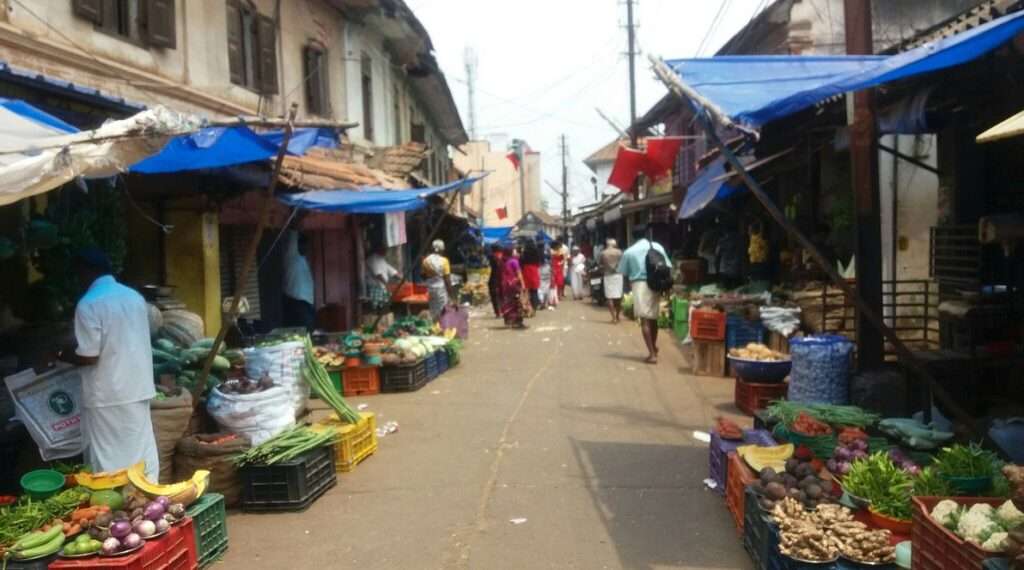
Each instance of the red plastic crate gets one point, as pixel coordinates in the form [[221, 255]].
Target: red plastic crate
[[735, 488], [935, 547], [707, 325], [175, 550], [361, 381], [750, 397]]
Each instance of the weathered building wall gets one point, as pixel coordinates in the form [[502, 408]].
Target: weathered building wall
[[500, 189]]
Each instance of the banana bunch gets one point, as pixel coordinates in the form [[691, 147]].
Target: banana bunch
[[38, 544], [758, 248]]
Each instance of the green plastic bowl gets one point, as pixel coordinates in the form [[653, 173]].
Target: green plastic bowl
[[970, 486], [42, 483]]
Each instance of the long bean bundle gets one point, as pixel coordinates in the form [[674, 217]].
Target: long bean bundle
[[284, 446], [787, 412], [316, 376]]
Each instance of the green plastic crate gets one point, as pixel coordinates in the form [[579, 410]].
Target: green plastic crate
[[210, 519], [335, 375]]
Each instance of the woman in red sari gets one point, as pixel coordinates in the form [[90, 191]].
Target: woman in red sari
[[558, 268], [513, 290]]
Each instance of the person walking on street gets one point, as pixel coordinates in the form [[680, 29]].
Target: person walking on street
[[610, 257], [646, 301], [497, 263], [438, 272], [112, 347], [513, 291], [558, 269], [298, 301], [578, 265], [530, 265]]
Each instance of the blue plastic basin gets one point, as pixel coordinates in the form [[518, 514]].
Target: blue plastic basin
[[763, 371]]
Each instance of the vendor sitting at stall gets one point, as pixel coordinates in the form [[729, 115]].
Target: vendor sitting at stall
[[378, 274], [112, 335]]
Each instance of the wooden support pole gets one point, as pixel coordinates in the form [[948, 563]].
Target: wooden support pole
[[249, 260], [706, 119], [867, 200]]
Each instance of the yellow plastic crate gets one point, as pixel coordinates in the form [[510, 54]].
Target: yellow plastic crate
[[355, 442]]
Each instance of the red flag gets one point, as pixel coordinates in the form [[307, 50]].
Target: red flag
[[502, 213], [514, 159], [661, 155], [628, 165]]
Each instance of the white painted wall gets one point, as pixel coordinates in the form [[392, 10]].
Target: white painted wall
[[917, 210]]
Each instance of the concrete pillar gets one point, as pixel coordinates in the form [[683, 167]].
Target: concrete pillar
[[193, 264]]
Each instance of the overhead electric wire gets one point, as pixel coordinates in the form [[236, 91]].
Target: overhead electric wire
[[713, 26]]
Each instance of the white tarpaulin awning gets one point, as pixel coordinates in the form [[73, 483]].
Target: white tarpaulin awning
[[1011, 127], [39, 152]]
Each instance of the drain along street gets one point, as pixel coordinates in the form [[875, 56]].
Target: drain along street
[[408, 284]]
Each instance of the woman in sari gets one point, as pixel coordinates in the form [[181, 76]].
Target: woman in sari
[[558, 269], [513, 291], [438, 272]]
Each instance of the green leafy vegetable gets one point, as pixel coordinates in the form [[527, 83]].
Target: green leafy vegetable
[[787, 413], [967, 461], [882, 483]]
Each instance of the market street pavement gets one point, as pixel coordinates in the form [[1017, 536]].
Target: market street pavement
[[554, 447]]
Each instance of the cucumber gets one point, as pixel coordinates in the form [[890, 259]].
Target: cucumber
[[206, 343], [220, 364], [44, 549], [36, 539], [166, 368], [164, 356], [165, 345]]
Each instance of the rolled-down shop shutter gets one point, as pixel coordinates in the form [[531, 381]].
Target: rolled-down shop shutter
[[233, 244]]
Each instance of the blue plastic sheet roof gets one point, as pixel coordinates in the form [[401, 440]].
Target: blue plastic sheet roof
[[705, 190], [52, 83], [23, 109], [754, 90], [370, 200], [218, 147], [496, 235]]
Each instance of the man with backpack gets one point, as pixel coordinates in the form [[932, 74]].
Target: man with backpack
[[646, 266]]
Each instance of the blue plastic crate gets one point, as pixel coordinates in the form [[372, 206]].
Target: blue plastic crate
[[432, 366], [740, 332]]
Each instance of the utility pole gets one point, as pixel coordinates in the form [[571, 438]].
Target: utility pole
[[565, 185], [597, 195], [521, 154], [864, 162], [631, 32], [471, 61]]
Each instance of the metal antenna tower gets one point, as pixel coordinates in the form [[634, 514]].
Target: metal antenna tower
[[471, 61]]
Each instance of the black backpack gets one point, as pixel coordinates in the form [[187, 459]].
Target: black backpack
[[659, 273]]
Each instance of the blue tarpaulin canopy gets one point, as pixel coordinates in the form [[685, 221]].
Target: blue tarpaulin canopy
[[217, 147], [371, 200], [710, 185], [496, 235], [754, 90]]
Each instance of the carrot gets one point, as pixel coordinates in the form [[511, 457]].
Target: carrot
[[72, 529]]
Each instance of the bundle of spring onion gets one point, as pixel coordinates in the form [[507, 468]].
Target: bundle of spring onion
[[788, 412], [317, 378], [286, 445]]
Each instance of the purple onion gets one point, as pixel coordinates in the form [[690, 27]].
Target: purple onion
[[120, 529], [153, 511], [132, 540], [111, 545]]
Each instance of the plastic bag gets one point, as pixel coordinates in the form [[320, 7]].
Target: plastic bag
[[258, 416], [821, 369], [283, 363], [49, 405], [453, 317]]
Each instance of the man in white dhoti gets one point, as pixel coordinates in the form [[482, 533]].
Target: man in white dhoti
[[113, 349]]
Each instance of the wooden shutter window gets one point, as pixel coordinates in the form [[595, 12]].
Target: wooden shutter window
[[160, 23], [91, 10], [266, 62], [236, 58], [315, 72]]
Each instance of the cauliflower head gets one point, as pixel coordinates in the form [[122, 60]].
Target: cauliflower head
[[947, 513], [997, 542], [978, 524], [1009, 516]]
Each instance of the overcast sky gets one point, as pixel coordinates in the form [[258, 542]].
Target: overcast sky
[[544, 65]]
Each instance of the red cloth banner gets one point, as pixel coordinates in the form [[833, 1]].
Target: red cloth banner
[[661, 156], [513, 158], [629, 163]]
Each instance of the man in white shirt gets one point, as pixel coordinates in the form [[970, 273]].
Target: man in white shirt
[[298, 301], [378, 274], [112, 335]]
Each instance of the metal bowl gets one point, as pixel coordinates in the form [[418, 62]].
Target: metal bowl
[[764, 371]]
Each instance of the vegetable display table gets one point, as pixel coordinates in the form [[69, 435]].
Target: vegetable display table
[[175, 550]]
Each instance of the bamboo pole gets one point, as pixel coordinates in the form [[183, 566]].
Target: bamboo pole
[[248, 261], [708, 115]]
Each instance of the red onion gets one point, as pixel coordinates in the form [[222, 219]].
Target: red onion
[[120, 529], [111, 545], [132, 540]]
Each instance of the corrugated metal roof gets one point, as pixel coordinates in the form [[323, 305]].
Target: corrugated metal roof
[[36, 79]]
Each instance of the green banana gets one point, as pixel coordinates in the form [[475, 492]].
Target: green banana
[[42, 550], [37, 538]]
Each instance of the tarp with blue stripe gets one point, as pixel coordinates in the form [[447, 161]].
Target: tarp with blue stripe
[[705, 190], [371, 200], [757, 89], [218, 147]]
